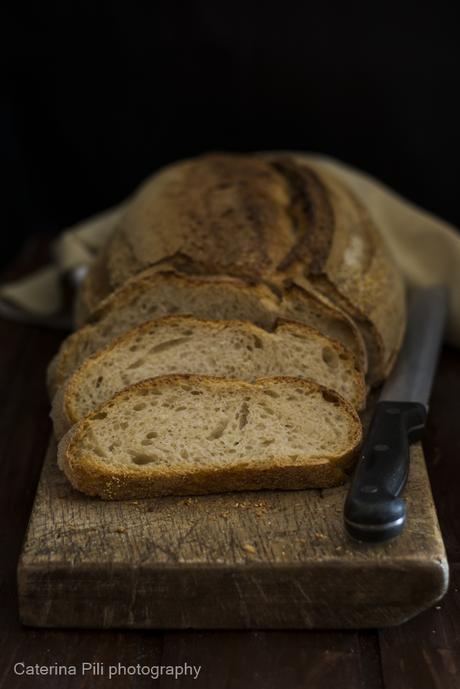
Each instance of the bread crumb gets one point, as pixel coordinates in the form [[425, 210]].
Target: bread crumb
[[259, 507], [120, 529], [249, 548]]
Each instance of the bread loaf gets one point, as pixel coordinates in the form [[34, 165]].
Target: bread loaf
[[230, 349], [265, 220], [184, 435]]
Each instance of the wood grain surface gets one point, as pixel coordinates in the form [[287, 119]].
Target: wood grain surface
[[424, 653], [278, 559]]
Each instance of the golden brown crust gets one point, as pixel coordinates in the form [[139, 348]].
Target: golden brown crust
[[89, 477], [217, 214], [261, 219], [67, 358], [311, 215], [115, 482], [362, 279], [60, 413], [238, 215]]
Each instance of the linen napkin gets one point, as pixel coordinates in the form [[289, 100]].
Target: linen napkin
[[426, 249]]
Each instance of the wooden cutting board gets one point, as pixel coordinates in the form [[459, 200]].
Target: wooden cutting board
[[251, 560]]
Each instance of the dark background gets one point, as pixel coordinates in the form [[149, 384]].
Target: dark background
[[96, 96]]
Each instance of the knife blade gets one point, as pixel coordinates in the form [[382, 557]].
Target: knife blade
[[373, 510]]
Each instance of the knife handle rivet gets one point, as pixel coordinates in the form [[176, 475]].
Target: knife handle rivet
[[369, 489], [381, 448]]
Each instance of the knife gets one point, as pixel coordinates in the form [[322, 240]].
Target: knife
[[373, 509]]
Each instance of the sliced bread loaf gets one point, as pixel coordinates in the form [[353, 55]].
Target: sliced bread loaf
[[231, 349], [152, 294], [264, 219], [196, 434]]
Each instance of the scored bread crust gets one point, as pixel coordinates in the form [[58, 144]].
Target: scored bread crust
[[117, 482], [360, 275], [264, 219], [271, 306], [65, 409]]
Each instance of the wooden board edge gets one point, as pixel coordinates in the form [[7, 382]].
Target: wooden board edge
[[254, 598]]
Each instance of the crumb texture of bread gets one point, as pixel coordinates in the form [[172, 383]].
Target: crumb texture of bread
[[153, 295], [181, 435], [230, 349]]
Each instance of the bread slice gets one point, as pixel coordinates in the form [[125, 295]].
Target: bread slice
[[185, 435], [151, 295], [184, 344]]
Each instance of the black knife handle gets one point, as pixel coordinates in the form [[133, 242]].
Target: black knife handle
[[373, 511]]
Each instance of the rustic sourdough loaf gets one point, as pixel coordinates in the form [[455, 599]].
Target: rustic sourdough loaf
[[151, 294], [231, 349], [264, 220], [184, 435]]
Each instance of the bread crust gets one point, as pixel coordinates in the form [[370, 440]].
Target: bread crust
[[115, 482], [262, 219], [362, 279]]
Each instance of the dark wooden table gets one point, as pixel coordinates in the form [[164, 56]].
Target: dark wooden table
[[422, 654]]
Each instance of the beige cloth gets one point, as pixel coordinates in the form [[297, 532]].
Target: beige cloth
[[41, 293], [426, 248]]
